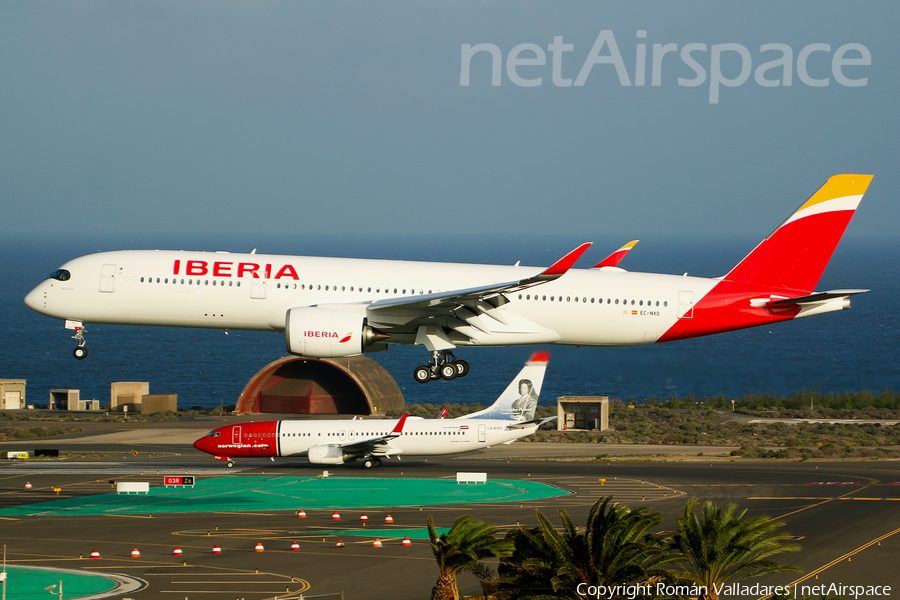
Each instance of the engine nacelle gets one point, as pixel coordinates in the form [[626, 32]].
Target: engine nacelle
[[328, 455], [327, 333]]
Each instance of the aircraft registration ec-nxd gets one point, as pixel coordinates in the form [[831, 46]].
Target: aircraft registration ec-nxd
[[335, 442], [333, 307]]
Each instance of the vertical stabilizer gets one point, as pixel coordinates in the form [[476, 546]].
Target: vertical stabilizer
[[518, 401], [795, 255]]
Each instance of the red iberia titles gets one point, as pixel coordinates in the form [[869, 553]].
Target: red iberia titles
[[230, 269]]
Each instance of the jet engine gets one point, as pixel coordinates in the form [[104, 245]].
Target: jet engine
[[328, 455], [327, 333]]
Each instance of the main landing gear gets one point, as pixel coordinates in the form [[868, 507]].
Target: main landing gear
[[443, 366], [371, 462]]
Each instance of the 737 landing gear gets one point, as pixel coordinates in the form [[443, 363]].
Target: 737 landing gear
[[443, 366], [80, 352], [371, 462]]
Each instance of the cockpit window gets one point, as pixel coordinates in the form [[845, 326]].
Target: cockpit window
[[214, 434], [60, 275]]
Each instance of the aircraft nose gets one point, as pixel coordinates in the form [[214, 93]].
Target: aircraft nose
[[35, 299], [202, 444]]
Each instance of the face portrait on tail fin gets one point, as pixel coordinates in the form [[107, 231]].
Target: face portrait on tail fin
[[523, 407]]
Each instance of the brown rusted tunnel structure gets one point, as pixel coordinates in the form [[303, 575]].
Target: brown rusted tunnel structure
[[356, 385]]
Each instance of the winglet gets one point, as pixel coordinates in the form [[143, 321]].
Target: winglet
[[565, 263], [559, 268], [613, 259], [443, 413], [399, 428]]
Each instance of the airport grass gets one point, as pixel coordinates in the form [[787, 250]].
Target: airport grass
[[113, 417], [711, 422], [15, 433]]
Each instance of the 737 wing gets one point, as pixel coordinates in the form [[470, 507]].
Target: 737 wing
[[377, 446]]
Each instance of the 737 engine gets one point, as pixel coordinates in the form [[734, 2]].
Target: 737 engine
[[328, 455], [327, 333]]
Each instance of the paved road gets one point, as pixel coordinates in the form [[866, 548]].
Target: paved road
[[846, 515]]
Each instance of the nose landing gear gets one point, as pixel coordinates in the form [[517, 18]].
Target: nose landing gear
[[80, 352], [443, 366]]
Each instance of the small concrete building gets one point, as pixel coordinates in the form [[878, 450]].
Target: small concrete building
[[65, 399], [71, 400], [158, 403], [127, 393], [12, 394], [582, 413]]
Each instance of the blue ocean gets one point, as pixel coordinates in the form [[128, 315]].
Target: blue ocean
[[844, 351]]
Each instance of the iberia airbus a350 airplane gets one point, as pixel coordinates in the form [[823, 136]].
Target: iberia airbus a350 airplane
[[335, 442], [331, 307]]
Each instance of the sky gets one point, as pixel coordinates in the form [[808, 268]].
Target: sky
[[351, 118]]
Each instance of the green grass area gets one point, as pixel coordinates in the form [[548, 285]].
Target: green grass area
[[31, 582], [255, 493], [383, 534]]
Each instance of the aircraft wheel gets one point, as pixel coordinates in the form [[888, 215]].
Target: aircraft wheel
[[368, 463], [80, 352], [377, 462], [422, 374], [448, 371], [462, 368], [230, 464]]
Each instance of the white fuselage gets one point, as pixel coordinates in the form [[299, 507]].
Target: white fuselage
[[254, 292], [420, 437]]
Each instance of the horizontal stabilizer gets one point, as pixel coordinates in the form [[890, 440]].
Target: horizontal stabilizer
[[816, 298], [530, 423]]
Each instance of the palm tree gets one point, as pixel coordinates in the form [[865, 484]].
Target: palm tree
[[467, 543], [616, 548], [720, 546]]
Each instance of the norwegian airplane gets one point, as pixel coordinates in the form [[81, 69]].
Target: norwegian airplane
[[335, 442], [333, 307]]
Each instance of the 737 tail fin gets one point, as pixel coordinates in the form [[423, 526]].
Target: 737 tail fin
[[795, 255], [518, 401]]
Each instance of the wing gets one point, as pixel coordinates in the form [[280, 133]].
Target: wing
[[444, 320], [378, 445], [490, 293], [613, 259]]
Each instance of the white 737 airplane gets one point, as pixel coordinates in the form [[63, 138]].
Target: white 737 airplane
[[331, 307], [336, 442]]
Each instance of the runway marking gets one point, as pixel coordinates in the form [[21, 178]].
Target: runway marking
[[253, 582], [840, 559], [788, 498], [826, 501]]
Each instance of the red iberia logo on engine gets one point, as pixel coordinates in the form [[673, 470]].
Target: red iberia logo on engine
[[328, 334]]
